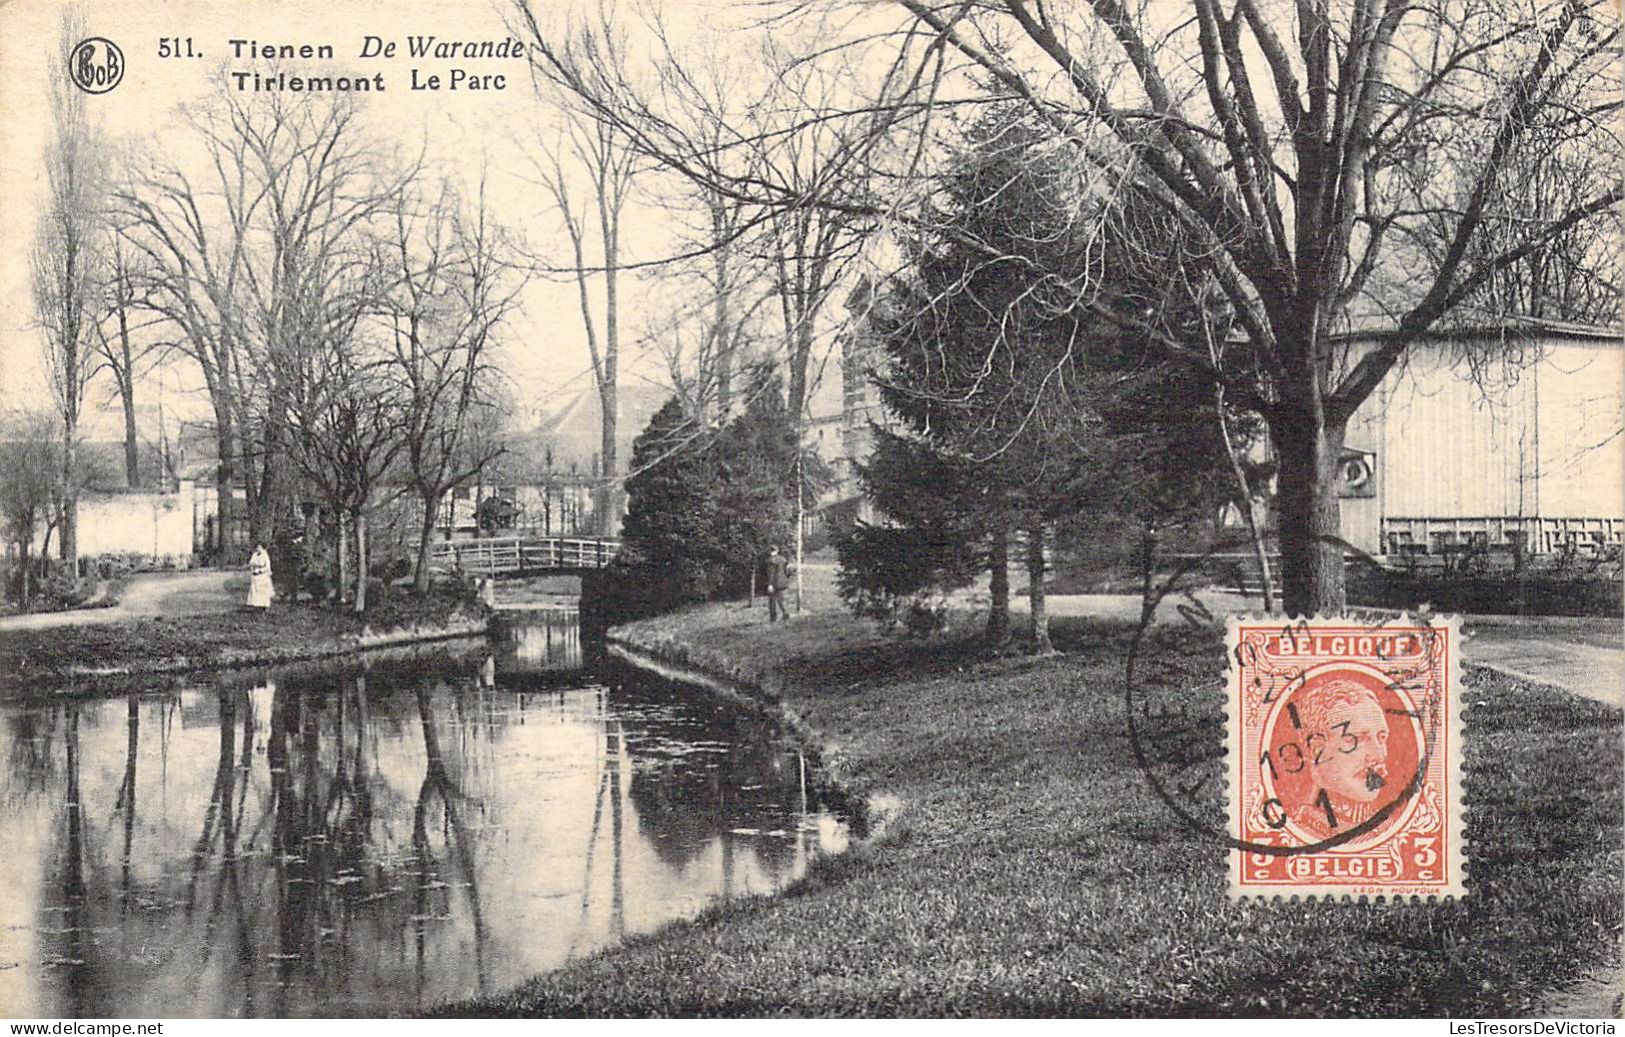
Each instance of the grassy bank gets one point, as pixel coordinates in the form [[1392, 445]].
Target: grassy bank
[[1031, 871], [53, 659]]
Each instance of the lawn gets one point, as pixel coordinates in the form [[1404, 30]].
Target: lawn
[[36, 661], [1031, 871]]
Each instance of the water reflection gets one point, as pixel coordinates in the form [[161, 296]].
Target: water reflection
[[544, 641], [371, 841]]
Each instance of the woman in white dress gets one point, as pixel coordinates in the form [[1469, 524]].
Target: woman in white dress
[[259, 578]]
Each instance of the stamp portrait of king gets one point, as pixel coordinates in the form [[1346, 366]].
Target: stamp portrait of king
[[1345, 765]]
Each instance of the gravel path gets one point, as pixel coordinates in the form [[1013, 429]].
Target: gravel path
[[150, 595], [1583, 656]]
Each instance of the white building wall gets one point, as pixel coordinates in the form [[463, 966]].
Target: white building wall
[[1581, 444], [158, 525], [1539, 438], [1448, 443]]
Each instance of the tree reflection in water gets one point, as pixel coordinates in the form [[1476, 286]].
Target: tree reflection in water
[[373, 839]]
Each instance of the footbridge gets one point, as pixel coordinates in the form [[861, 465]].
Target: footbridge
[[523, 556]]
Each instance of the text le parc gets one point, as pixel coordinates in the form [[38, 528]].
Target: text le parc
[[457, 77]]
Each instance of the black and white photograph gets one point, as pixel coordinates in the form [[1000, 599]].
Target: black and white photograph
[[650, 509]]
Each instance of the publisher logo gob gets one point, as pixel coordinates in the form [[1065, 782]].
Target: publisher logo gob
[[96, 65]]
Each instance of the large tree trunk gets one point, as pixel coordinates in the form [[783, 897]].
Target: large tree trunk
[[1035, 589], [420, 578], [27, 565], [341, 555], [796, 392], [1310, 526], [360, 560], [70, 498], [610, 227], [132, 456], [248, 476], [998, 564], [801, 521], [1244, 500], [723, 331], [1148, 574], [605, 505], [225, 482], [124, 375], [271, 500]]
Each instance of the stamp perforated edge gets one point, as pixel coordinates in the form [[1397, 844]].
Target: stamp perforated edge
[[1455, 881]]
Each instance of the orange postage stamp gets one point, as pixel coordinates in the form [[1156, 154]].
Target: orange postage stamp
[[1345, 758]]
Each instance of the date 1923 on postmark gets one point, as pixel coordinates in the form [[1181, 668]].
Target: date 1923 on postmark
[[1345, 758]]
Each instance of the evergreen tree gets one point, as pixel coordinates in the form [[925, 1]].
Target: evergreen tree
[[755, 483], [668, 533], [706, 503], [985, 344], [1001, 370], [936, 537]]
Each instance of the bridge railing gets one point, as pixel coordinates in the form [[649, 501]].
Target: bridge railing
[[496, 557]]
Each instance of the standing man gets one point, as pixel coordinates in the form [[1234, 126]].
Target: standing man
[[778, 577]]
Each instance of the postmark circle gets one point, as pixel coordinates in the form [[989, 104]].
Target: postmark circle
[[1338, 744], [96, 65], [1146, 723]]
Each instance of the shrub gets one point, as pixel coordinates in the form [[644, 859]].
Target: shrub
[[114, 564], [390, 569], [634, 590], [316, 584], [925, 616], [1557, 592], [378, 591], [896, 575], [60, 590]]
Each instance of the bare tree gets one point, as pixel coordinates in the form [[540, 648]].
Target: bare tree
[[585, 149], [719, 299], [1572, 275], [708, 99], [122, 349], [240, 262], [1304, 150], [782, 179], [345, 412], [67, 262], [323, 184], [1310, 152], [454, 283], [194, 240]]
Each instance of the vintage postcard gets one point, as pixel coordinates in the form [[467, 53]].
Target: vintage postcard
[[1098, 509]]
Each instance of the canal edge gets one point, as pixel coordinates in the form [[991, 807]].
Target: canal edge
[[88, 680], [872, 810]]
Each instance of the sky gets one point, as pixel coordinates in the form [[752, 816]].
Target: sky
[[461, 128]]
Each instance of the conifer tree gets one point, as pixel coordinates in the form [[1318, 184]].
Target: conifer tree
[[671, 503]]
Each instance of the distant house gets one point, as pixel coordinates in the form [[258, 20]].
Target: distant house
[[840, 425], [1459, 447], [570, 430], [553, 472]]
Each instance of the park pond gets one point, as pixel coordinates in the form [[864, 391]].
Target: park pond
[[374, 836]]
